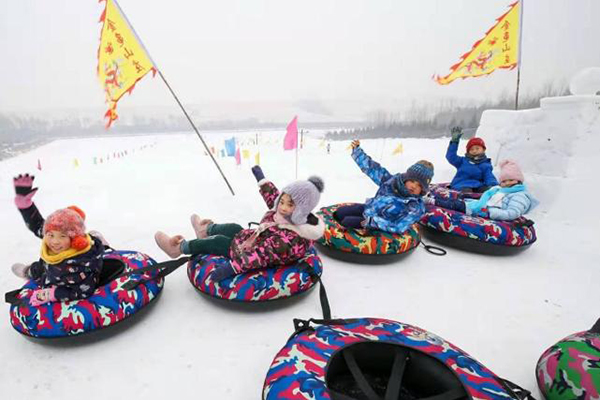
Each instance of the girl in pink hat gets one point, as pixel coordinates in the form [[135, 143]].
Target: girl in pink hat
[[508, 201], [70, 260]]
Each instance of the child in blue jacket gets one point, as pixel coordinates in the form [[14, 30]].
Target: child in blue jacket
[[474, 170], [396, 205], [506, 202]]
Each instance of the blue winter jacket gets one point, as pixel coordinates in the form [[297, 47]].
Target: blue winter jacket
[[469, 174], [389, 210], [516, 202]]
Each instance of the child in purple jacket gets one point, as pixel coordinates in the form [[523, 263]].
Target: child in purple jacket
[[284, 235]]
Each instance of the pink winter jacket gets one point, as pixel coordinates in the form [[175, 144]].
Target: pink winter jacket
[[277, 245]]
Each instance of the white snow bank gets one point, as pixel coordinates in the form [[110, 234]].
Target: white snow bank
[[586, 81]]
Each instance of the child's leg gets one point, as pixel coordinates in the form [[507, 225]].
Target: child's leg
[[350, 216], [229, 230], [451, 204], [353, 222], [216, 244], [354, 210]]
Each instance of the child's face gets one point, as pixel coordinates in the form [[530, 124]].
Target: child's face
[[509, 182], [57, 241], [286, 205], [413, 187], [476, 150]]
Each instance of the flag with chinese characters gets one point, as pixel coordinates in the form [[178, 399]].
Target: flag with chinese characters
[[498, 49], [122, 60]]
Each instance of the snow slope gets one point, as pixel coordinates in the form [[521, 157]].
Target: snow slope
[[504, 311]]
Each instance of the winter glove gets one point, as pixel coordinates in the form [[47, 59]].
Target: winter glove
[[222, 272], [258, 173], [484, 213], [456, 134], [41, 296], [24, 190], [21, 270], [355, 143]]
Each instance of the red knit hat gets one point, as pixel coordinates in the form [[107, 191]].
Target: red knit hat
[[475, 142], [69, 221]]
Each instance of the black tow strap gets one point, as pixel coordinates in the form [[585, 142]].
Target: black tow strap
[[325, 308], [436, 251], [12, 297], [596, 327], [517, 391], [165, 269]]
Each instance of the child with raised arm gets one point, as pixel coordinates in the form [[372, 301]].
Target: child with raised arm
[[284, 235], [71, 260], [474, 170], [397, 204]]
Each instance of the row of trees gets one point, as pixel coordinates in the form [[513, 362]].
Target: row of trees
[[436, 120]]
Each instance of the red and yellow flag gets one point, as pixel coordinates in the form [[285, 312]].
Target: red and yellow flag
[[498, 49], [122, 60]]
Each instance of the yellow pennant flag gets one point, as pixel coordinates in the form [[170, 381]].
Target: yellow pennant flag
[[245, 154], [75, 162], [398, 150], [257, 158], [122, 60], [498, 49]]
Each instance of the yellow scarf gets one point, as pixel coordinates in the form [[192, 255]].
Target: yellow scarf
[[63, 255]]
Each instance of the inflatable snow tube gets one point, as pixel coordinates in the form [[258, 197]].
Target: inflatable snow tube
[[364, 245], [475, 234], [257, 285], [571, 368], [109, 304], [371, 358]]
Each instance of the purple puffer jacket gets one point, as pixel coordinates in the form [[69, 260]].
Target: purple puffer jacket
[[277, 245]]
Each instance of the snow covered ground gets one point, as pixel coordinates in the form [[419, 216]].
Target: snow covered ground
[[505, 311]]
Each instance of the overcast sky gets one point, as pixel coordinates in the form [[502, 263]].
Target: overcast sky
[[381, 50]]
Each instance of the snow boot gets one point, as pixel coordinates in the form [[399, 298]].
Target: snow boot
[[200, 226], [168, 244]]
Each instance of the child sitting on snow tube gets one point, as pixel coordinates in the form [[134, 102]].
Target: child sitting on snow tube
[[397, 205], [71, 260], [474, 170], [506, 202], [285, 233]]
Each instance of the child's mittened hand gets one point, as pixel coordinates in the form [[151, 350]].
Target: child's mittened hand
[[20, 270], [355, 143], [24, 190], [222, 272], [258, 173], [456, 133], [42, 296]]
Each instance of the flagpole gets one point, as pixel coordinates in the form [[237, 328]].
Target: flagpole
[[519, 59], [296, 159], [175, 96]]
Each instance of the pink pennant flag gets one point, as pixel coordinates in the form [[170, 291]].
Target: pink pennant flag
[[290, 141], [238, 158], [39, 166]]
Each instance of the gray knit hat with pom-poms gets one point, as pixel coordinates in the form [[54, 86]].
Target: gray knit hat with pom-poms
[[306, 195]]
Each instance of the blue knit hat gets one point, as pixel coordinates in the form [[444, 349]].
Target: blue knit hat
[[422, 172]]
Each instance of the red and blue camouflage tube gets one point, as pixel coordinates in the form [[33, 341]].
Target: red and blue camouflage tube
[[256, 285], [299, 369], [363, 241], [506, 233], [108, 305], [571, 368]]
